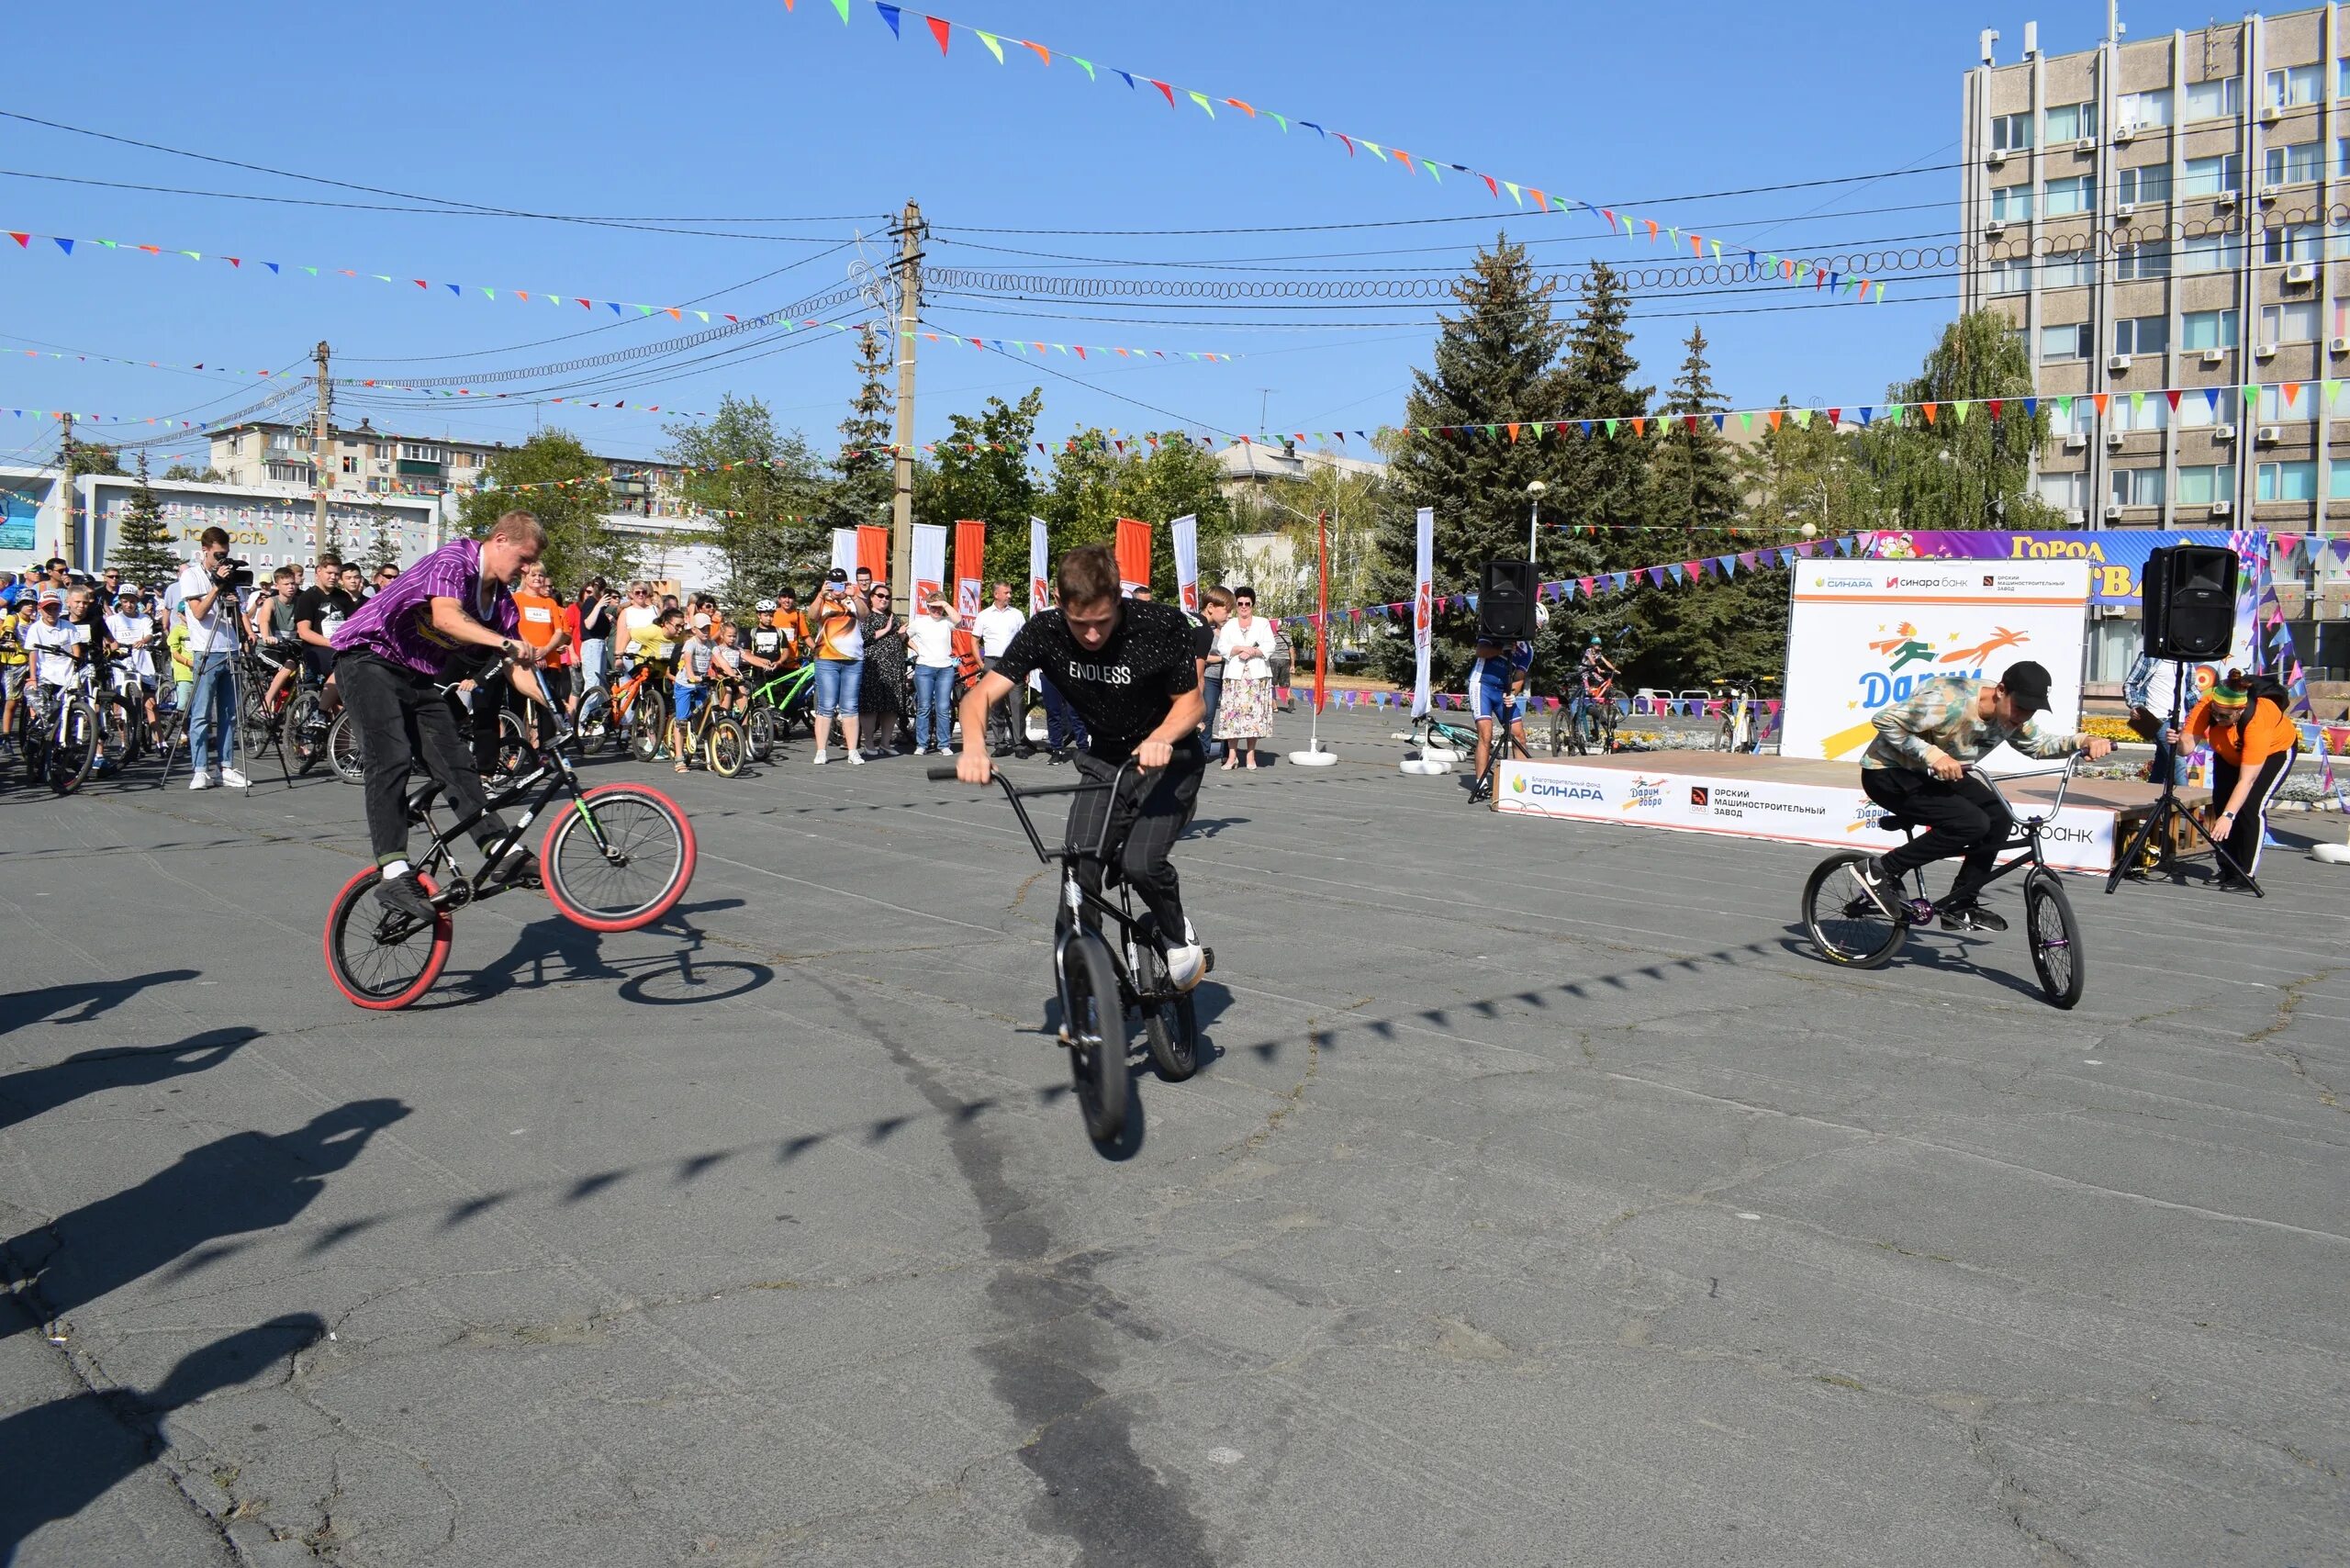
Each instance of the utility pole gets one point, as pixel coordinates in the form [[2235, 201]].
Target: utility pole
[[321, 529], [70, 544], [901, 506]]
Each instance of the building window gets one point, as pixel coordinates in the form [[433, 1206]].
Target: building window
[[2208, 329], [2341, 78], [2140, 334], [2209, 176], [2293, 85], [2069, 492], [2289, 242], [2073, 271], [2062, 198], [2288, 481], [2143, 111], [2146, 185], [2295, 323], [2012, 133], [2213, 100], [2337, 482], [2298, 164], [2136, 487], [2137, 263], [2196, 409], [2066, 416], [350, 466], [2342, 318], [2149, 411], [2200, 485], [2072, 122], [414, 452], [2010, 204], [2275, 411], [2070, 342], [290, 473], [2012, 276], [2210, 253]]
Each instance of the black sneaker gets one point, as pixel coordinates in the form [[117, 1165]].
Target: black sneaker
[[519, 869], [1881, 887], [405, 895], [1971, 917]]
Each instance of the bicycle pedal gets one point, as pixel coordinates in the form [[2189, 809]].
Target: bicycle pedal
[[1918, 912]]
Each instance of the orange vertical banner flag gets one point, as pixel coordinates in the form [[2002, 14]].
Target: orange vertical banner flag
[[970, 566], [873, 551], [1134, 553]]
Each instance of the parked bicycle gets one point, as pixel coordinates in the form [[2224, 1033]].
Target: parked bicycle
[[1741, 725], [615, 857], [1851, 926], [780, 704], [1101, 981]]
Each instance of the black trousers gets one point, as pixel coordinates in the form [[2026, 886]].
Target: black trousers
[[400, 715], [1147, 819], [2244, 843], [1963, 818]]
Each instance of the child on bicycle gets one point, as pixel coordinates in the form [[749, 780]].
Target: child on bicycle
[[697, 662]]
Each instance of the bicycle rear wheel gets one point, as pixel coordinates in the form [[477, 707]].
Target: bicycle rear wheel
[[759, 730], [2055, 938], [1095, 1018], [306, 724], [1844, 922], [636, 875], [343, 749], [723, 748], [380, 960]]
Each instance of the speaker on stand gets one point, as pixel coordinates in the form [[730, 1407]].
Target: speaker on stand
[[1506, 607]]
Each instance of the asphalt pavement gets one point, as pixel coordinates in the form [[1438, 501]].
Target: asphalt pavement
[[1543, 1202]]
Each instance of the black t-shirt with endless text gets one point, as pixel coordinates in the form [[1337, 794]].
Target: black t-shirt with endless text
[[324, 609], [1121, 690]]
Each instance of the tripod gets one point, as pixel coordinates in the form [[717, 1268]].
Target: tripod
[[237, 651], [2169, 809]]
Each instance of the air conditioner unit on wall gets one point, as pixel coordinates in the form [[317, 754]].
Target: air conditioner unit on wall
[[1994, 229], [2078, 514], [2222, 509], [2118, 364], [2124, 211], [1997, 157], [2264, 350], [2113, 440], [2224, 200], [2223, 433], [2086, 144], [2339, 345], [2076, 441], [2215, 356], [2113, 512], [2300, 274], [2268, 435], [2268, 195], [2122, 133]]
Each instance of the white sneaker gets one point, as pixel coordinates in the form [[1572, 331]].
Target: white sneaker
[[1187, 963], [819, 759], [857, 759], [922, 751], [200, 779], [231, 779]]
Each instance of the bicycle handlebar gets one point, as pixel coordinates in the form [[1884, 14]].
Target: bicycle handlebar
[[944, 774]]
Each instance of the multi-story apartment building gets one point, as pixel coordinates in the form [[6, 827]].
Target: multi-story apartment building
[[365, 461], [2167, 214]]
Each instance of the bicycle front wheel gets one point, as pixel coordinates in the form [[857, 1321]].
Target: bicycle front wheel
[[1843, 921], [378, 958], [618, 858], [723, 748], [1094, 1017], [758, 731], [73, 747], [2055, 938]]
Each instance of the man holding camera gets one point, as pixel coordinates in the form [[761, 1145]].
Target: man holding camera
[[206, 592]]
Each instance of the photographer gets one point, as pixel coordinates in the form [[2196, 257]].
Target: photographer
[[207, 596]]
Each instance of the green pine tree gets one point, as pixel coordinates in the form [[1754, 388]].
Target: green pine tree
[[141, 547], [384, 549], [867, 464]]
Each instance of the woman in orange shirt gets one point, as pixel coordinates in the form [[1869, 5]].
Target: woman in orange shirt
[[544, 627], [2254, 742]]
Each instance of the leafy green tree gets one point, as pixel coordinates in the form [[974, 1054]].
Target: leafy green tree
[[181, 472], [979, 470], [1801, 472], [91, 458], [865, 467], [570, 497], [1495, 369], [1157, 476], [142, 541], [1966, 472], [763, 493]]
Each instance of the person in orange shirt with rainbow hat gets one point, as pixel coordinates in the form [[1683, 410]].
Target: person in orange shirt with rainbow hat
[[2254, 742]]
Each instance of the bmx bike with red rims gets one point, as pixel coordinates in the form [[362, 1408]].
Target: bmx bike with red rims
[[614, 858]]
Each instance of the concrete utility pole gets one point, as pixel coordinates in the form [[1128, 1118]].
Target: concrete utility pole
[[70, 544], [321, 529], [901, 506]]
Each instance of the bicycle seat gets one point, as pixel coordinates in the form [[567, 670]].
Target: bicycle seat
[[419, 799]]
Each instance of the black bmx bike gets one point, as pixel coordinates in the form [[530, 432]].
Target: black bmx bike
[[1860, 929], [1101, 980], [614, 858]]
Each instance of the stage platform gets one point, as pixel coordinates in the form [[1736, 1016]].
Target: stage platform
[[1743, 795]]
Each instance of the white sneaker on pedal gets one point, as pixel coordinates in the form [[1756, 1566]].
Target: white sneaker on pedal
[[231, 779], [1187, 963], [200, 779]]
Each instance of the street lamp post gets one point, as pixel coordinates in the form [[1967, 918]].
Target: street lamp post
[[1535, 490]]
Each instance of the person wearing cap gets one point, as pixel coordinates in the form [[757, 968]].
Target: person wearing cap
[[133, 630], [689, 687], [15, 620], [50, 642], [1916, 769], [2254, 743]]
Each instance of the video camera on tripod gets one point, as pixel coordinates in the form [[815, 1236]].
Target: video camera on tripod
[[233, 573]]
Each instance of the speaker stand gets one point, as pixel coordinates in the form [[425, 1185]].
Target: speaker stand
[[2169, 809]]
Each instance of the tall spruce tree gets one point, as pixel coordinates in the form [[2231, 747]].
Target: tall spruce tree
[[142, 548], [1495, 375], [1606, 479], [867, 464]]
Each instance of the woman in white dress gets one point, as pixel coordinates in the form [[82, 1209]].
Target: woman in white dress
[[1244, 715]]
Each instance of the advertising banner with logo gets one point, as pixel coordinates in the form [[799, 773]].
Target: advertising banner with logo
[[1040, 586], [1184, 534], [1865, 635], [929, 562], [1423, 608], [20, 518], [1834, 816], [970, 566]]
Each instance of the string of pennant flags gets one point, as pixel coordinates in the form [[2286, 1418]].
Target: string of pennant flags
[[1759, 266]]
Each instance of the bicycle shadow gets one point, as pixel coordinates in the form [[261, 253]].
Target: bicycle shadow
[[65, 1455], [571, 954], [40, 1090], [1920, 954], [94, 998]]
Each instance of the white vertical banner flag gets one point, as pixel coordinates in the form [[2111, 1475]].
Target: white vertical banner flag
[[1039, 580], [1423, 608], [929, 562], [1185, 533], [845, 550]]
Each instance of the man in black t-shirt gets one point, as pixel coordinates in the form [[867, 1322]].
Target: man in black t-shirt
[[321, 606], [1130, 669]]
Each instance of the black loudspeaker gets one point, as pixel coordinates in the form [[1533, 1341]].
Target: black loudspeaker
[[1506, 607], [2190, 601]]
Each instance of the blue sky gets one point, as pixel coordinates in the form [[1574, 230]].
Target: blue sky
[[735, 110]]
